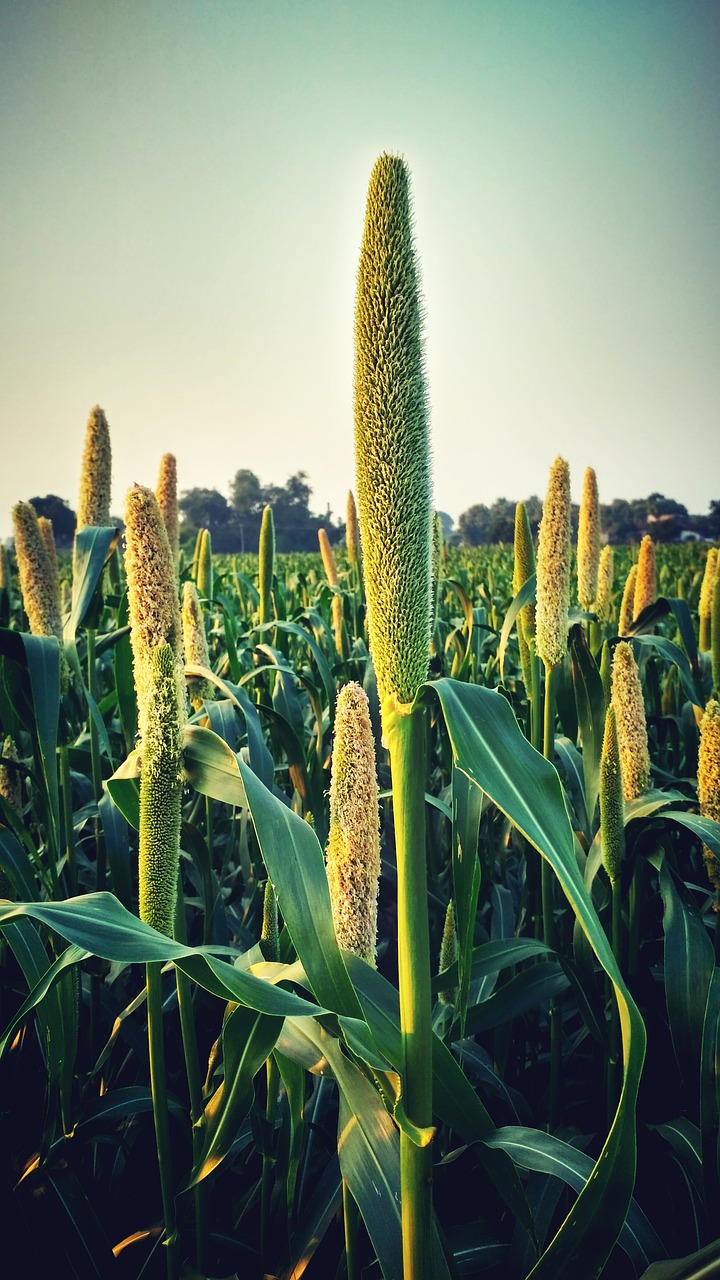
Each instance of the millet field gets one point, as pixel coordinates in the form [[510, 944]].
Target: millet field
[[359, 909]]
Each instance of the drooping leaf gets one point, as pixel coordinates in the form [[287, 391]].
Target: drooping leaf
[[489, 746]]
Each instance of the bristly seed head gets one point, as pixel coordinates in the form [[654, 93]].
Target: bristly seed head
[[353, 848], [39, 584], [167, 497], [602, 605], [708, 778], [646, 580], [706, 596], [195, 644], [627, 605], [391, 438], [627, 699], [96, 473], [153, 607], [612, 808], [588, 550], [553, 568]]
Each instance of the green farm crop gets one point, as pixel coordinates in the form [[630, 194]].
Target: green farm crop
[[197, 1079]]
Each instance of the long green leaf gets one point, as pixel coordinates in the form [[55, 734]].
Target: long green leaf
[[93, 547], [248, 1039], [544, 1153], [689, 964], [296, 867], [489, 746]]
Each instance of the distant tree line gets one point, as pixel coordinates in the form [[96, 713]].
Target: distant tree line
[[622, 521], [234, 523]]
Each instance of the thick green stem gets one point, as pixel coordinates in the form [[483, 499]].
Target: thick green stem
[[201, 1193], [614, 1049], [406, 740], [95, 762], [158, 1087], [207, 878], [351, 1223], [67, 811], [268, 1162], [548, 895]]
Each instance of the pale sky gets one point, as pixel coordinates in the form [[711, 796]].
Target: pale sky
[[183, 187]]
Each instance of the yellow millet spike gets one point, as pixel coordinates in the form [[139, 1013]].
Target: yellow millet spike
[[331, 573], [588, 547], [266, 564], [153, 607], [96, 472], [625, 620], [627, 700], [41, 598], [553, 568], [705, 605], [602, 604], [328, 558], [195, 644], [167, 497], [708, 777], [48, 538], [353, 849], [612, 807], [352, 531], [391, 438], [646, 581], [205, 573], [161, 781]]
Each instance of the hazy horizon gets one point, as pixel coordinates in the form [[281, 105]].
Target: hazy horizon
[[184, 191]]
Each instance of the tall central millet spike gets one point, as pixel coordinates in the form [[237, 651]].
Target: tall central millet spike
[[391, 438]]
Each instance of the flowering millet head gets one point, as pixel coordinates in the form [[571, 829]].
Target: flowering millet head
[[524, 567], [266, 564], [353, 849], [154, 611], [48, 537], [38, 582], [205, 574], [391, 438], [646, 581], [96, 473], [352, 531], [588, 547], [195, 644], [553, 568], [167, 497], [612, 807], [627, 604], [706, 595], [627, 699], [708, 777], [328, 558], [602, 605]]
